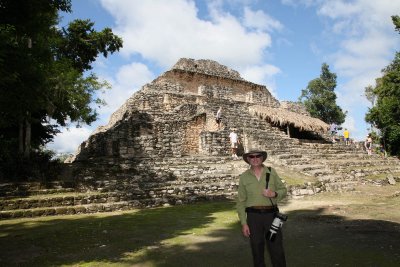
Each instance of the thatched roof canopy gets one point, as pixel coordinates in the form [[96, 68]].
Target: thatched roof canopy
[[283, 117]]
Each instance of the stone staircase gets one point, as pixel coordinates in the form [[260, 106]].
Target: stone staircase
[[201, 178], [62, 204], [338, 166]]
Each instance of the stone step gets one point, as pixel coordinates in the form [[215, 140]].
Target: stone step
[[55, 200], [288, 156], [310, 168], [68, 210], [351, 163], [339, 155], [375, 170], [330, 178], [341, 186], [34, 188], [299, 161], [94, 203]]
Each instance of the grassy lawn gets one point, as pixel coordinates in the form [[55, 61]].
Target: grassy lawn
[[348, 229]]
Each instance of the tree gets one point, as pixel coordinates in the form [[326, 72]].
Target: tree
[[20, 82], [396, 22], [369, 94], [43, 71], [319, 98], [385, 115], [45, 74]]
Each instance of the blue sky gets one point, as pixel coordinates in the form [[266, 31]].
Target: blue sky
[[280, 44]]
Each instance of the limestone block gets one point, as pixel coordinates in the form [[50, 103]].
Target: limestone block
[[391, 179]]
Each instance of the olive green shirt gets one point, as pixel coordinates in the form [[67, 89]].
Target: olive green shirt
[[250, 191]]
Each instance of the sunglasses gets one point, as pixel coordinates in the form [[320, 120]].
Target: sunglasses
[[255, 156]]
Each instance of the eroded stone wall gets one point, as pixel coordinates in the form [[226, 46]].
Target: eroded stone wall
[[193, 129], [214, 143], [209, 67], [223, 88]]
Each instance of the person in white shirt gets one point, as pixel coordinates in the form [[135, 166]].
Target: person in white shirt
[[218, 117], [234, 143]]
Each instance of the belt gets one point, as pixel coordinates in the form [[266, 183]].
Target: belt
[[262, 209]]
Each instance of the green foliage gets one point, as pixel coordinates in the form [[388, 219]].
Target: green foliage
[[396, 22], [385, 114], [82, 44], [42, 72], [319, 98], [369, 94], [41, 166]]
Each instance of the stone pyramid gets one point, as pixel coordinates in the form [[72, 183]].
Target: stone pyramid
[[174, 115], [163, 145]]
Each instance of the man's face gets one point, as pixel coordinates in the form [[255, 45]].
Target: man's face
[[255, 159]]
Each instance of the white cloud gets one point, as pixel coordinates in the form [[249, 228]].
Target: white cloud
[[128, 80], [260, 21], [374, 43], [350, 65], [262, 74], [69, 139], [296, 3], [164, 31], [338, 9], [373, 10]]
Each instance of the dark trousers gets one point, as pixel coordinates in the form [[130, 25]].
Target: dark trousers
[[259, 224]]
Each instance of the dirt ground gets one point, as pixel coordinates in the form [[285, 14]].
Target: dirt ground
[[367, 201], [356, 228]]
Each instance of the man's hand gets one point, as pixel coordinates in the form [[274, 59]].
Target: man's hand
[[245, 230], [269, 193]]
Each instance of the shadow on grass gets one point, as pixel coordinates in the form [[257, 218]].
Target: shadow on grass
[[204, 234], [77, 239], [313, 238]]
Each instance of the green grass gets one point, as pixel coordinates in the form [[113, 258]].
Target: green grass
[[202, 234], [153, 237]]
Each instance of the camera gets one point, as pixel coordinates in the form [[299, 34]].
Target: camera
[[276, 225]]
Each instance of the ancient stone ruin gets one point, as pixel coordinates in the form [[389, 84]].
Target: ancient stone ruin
[[163, 146], [174, 116]]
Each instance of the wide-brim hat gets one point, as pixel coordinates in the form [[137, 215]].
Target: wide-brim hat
[[255, 151]]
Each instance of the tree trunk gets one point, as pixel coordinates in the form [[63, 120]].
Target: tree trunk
[[28, 132], [21, 137]]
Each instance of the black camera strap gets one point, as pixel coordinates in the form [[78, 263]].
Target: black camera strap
[[267, 175]]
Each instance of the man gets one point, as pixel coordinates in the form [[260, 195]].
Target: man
[[257, 205], [218, 117], [333, 129], [368, 144], [234, 143], [346, 136]]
